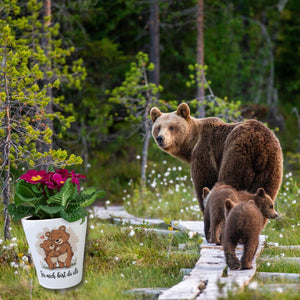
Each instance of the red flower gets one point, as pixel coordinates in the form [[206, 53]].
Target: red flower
[[54, 180], [75, 178], [33, 176]]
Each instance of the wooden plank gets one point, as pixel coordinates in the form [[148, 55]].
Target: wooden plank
[[282, 259], [209, 269], [269, 275]]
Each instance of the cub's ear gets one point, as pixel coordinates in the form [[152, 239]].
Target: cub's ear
[[155, 113], [183, 111], [252, 202], [62, 228], [261, 192], [205, 192], [229, 204]]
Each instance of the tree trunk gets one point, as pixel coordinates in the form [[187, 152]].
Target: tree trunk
[[6, 164], [200, 58], [47, 80], [145, 151], [154, 41]]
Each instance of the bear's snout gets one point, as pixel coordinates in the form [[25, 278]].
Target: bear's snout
[[58, 241], [160, 140]]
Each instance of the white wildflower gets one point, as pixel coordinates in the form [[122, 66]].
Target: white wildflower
[[131, 233], [253, 285], [138, 157], [192, 234]]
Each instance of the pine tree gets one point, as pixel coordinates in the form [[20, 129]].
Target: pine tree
[[24, 121]]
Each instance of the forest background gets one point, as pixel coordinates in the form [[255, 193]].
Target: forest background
[[251, 50]]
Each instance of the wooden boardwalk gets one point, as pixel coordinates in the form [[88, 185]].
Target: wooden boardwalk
[[207, 280]]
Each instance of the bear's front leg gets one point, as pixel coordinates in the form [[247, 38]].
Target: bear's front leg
[[203, 175]]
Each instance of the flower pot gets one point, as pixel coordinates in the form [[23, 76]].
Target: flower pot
[[57, 249]]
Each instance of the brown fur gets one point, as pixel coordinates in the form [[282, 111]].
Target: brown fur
[[51, 258], [63, 249], [244, 222], [245, 155], [214, 213]]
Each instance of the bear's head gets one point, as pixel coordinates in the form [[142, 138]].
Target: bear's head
[[265, 204], [171, 129], [48, 245], [58, 236]]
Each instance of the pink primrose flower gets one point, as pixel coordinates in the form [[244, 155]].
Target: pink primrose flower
[[75, 178], [33, 176]]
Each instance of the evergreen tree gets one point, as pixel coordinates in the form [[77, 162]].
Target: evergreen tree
[[23, 93]]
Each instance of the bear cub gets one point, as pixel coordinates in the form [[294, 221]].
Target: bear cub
[[243, 223], [214, 212]]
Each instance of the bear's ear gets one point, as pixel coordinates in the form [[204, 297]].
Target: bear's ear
[[62, 228], [252, 202], [229, 204], [47, 234], [205, 192], [42, 245], [183, 111], [155, 113], [261, 192]]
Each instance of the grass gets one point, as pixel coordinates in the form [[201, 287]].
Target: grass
[[117, 259], [120, 258]]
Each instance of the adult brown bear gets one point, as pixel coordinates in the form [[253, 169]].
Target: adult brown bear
[[246, 155]]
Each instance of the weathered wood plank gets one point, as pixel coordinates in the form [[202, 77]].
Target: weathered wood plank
[[209, 269], [282, 259], [269, 275]]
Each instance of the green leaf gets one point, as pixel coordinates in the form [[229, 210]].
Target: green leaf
[[67, 192], [74, 215], [17, 213], [92, 198], [51, 210]]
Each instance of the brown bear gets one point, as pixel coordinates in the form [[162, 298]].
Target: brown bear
[[244, 222], [63, 249], [214, 211], [51, 258], [246, 155]]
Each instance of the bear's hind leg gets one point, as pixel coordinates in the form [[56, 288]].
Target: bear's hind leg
[[231, 259], [250, 248], [207, 225]]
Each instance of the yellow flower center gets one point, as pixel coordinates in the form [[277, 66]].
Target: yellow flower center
[[36, 178]]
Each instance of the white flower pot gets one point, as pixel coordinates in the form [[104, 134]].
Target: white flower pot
[[57, 250]]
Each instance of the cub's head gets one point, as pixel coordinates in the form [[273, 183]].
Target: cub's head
[[48, 245], [265, 203], [59, 236], [170, 129]]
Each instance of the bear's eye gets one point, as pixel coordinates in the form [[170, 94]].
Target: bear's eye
[[158, 128], [171, 128], [271, 206]]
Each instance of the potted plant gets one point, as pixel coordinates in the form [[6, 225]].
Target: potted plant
[[51, 207]]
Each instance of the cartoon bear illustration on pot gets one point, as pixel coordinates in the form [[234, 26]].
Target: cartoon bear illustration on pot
[[57, 248]]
